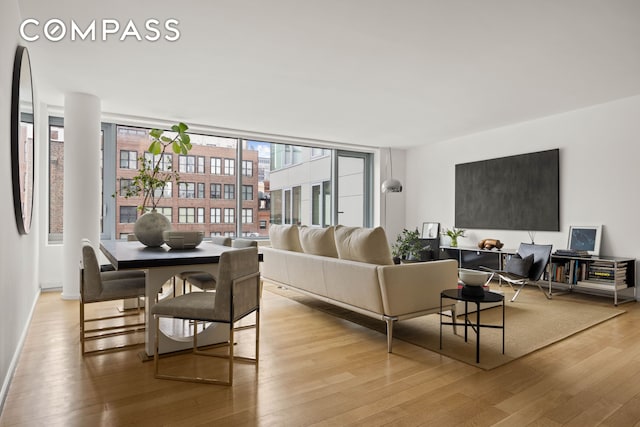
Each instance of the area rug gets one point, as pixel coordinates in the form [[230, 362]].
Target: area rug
[[531, 323]]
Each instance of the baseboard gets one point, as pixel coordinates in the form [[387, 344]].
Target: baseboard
[[6, 383]]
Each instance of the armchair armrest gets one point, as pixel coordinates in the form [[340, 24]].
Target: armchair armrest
[[416, 287]]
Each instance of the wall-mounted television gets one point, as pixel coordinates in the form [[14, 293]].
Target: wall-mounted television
[[520, 192]]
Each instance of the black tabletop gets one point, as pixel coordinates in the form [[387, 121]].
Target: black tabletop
[[457, 295], [124, 254]]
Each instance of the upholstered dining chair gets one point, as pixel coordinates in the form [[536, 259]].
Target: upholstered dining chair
[[200, 279], [524, 267], [237, 295], [98, 286]]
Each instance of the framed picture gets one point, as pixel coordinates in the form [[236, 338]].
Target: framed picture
[[585, 238], [430, 230]]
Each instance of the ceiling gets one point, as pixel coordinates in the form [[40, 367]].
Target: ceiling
[[365, 72]]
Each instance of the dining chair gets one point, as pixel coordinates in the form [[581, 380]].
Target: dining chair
[[200, 279], [237, 295], [99, 286]]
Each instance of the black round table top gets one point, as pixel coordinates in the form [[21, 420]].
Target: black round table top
[[458, 295]]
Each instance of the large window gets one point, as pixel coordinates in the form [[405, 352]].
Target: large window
[[276, 183]]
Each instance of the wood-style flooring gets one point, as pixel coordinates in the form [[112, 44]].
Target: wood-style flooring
[[316, 369]]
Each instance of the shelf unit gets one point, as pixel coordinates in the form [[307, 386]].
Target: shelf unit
[[474, 258], [598, 275]]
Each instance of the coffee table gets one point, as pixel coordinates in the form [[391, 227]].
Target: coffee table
[[488, 297]]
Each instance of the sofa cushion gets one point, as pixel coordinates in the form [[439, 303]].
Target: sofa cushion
[[363, 244], [318, 241], [285, 237]]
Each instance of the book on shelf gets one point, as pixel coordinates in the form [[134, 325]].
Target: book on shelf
[[592, 284], [572, 252]]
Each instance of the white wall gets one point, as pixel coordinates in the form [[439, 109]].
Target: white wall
[[599, 174], [18, 254]]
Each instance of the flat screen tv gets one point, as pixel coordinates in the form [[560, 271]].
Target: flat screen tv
[[519, 192]]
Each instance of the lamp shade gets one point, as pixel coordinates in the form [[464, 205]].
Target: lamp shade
[[391, 185]]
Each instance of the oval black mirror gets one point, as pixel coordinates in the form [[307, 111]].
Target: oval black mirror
[[22, 140]]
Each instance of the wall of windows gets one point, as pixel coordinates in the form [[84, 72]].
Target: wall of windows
[[273, 183]]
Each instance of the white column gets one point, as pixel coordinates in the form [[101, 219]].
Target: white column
[[82, 187]]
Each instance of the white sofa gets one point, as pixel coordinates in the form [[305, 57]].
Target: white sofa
[[352, 267]]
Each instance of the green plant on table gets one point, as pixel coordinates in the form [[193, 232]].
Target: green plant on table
[[454, 233], [153, 174]]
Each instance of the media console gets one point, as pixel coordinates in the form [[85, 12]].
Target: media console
[[474, 258], [607, 275]]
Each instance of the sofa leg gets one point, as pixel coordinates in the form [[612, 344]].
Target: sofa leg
[[389, 321]]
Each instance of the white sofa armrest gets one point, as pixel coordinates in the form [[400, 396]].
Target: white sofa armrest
[[413, 288]]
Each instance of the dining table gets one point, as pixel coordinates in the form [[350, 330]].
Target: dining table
[[162, 264]]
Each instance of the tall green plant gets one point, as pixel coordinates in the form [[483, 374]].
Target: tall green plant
[[407, 245], [151, 180]]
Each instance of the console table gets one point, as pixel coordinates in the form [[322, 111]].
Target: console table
[[596, 274], [474, 258]]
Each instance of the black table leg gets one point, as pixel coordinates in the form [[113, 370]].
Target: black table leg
[[466, 320], [478, 332]]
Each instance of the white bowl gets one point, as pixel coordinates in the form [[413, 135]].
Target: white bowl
[[183, 239], [473, 277]]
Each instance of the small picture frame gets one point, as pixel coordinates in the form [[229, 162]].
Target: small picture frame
[[430, 230], [585, 238]]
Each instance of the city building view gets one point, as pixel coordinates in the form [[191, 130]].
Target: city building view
[[221, 190]]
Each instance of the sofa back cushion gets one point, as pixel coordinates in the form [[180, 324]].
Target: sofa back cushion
[[318, 241], [285, 237], [363, 244]]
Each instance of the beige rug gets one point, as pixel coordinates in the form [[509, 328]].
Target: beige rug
[[531, 323]]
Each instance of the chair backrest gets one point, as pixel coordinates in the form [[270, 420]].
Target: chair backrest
[[221, 240], [237, 284], [541, 255], [243, 243], [91, 283]]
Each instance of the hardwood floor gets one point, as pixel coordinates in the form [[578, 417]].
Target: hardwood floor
[[316, 369]]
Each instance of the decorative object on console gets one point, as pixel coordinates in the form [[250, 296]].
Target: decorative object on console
[[151, 179], [585, 238], [453, 234], [182, 239], [490, 244], [391, 184]]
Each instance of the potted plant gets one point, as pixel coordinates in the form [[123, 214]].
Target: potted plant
[[453, 234], [407, 246], [151, 180]]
